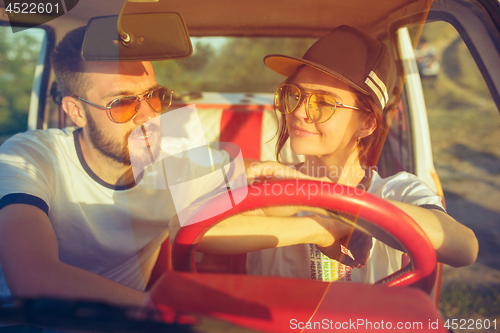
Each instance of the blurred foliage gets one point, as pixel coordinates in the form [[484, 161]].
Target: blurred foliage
[[462, 300], [18, 56], [235, 66], [460, 84], [460, 108]]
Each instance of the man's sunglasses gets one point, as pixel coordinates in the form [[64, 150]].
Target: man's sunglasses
[[320, 105], [123, 109]]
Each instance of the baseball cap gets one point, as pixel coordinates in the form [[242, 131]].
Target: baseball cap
[[349, 55]]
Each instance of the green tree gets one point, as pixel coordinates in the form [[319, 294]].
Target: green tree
[[18, 56]]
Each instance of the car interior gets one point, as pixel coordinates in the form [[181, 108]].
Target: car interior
[[166, 31]]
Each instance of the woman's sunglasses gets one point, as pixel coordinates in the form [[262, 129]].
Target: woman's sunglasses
[[320, 105], [123, 109]]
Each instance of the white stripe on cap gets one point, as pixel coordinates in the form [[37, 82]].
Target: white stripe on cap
[[381, 84], [376, 90]]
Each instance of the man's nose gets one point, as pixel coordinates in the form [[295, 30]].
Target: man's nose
[[144, 113]]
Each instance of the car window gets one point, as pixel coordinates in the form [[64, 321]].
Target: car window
[[18, 59], [465, 132]]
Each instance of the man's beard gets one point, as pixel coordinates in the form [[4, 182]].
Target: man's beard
[[119, 151]]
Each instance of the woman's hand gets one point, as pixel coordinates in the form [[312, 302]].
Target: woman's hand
[[268, 171], [347, 244], [359, 246]]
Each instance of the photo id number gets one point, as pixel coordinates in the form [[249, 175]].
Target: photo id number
[[32, 8], [470, 324]]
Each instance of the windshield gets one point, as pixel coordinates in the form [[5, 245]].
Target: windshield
[[229, 64]]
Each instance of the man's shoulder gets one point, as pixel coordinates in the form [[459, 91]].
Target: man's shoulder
[[31, 162], [47, 135], [40, 141]]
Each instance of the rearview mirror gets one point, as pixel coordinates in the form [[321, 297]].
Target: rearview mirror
[[152, 36]]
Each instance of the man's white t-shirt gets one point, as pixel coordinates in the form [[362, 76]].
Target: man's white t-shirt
[[303, 260], [113, 231]]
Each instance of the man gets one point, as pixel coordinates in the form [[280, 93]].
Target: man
[[73, 222]]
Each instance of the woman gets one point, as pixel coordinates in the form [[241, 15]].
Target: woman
[[333, 104]]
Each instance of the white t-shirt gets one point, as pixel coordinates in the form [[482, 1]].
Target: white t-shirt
[[113, 231], [305, 260]]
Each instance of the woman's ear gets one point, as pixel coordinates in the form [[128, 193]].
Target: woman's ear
[[74, 110], [368, 124]]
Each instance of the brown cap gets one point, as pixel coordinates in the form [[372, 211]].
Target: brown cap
[[349, 55]]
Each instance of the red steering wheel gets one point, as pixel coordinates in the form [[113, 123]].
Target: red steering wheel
[[370, 211]]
